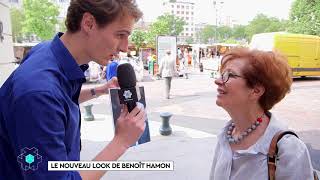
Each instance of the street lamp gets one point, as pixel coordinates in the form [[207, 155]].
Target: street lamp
[[215, 5]]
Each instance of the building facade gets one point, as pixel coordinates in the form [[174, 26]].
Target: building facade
[[183, 9], [6, 45]]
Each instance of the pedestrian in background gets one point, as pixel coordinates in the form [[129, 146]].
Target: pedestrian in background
[[111, 70], [251, 83], [195, 59], [185, 63], [167, 69], [39, 107]]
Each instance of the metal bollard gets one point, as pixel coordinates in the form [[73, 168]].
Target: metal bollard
[[88, 116], [201, 67], [165, 128]]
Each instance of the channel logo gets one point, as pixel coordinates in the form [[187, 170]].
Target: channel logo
[[29, 158]]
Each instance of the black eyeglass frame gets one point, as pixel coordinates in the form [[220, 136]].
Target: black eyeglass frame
[[227, 74]]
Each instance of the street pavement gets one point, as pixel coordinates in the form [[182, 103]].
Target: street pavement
[[195, 122]]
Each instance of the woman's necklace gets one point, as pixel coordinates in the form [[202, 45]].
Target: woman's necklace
[[236, 140]]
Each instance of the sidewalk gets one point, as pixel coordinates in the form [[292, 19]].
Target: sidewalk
[[192, 160]]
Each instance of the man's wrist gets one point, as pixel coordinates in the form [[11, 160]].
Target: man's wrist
[[101, 91]]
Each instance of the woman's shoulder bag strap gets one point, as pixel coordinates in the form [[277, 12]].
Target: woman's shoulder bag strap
[[273, 154]]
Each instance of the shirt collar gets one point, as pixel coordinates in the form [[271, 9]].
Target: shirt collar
[[68, 64]]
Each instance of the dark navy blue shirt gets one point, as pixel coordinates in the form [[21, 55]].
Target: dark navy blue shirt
[[40, 117]]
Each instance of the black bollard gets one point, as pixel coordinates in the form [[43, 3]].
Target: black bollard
[[88, 116], [165, 128], [201, 67]]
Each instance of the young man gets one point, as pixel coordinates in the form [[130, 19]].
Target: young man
[[111, 70], [39, 107]]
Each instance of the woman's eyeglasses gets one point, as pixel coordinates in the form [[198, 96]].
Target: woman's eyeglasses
[[226, 75]]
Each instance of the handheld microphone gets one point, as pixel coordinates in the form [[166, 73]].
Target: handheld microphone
[[127, 82]]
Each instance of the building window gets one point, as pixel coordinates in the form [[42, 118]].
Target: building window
[[182, 6], [187, 12], [191, 34], [191, 29], [182, 34], [172, 6], [187, 29], [187, 18], [178, 6], [172, 12], [187, 34], [182, 12], [191, 13], [187, 7], [14, 1], [178, 12]]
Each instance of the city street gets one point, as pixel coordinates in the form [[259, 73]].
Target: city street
[[193, 106]]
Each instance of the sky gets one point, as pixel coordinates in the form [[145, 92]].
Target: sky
[[241, 10]]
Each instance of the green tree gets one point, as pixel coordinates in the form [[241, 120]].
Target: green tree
[[239, 32], [165, 25], [61, 25], [40, 18], [207, 33], [224, 33], [168, 25], [305, 17], [138, 37], [17, 17], [231, 41], [189, 40], [261, 24]]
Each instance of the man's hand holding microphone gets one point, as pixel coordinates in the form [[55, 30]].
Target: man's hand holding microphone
[[129, 126]]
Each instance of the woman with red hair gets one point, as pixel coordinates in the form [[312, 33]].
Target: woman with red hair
[[251, 83]]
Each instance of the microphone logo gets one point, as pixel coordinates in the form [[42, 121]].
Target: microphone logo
[[127, 94]]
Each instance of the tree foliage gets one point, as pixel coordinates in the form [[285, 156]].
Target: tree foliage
[[224, 33], [17, 18], [189, 40], [239, 32], [40, 18], [261, 24], [168, 25], [207, 33], [138, 37], [305, 17], [164, 25], [61, 25]]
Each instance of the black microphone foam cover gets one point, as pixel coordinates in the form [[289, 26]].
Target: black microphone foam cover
[[126, 76]]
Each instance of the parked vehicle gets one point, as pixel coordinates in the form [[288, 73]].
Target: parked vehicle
[[302, 51]]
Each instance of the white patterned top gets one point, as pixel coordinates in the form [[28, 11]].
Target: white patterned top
[[251, 164]]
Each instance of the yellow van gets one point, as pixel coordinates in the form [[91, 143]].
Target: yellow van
[[302, 51]]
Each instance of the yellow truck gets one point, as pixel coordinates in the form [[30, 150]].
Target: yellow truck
[[302, 51]]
